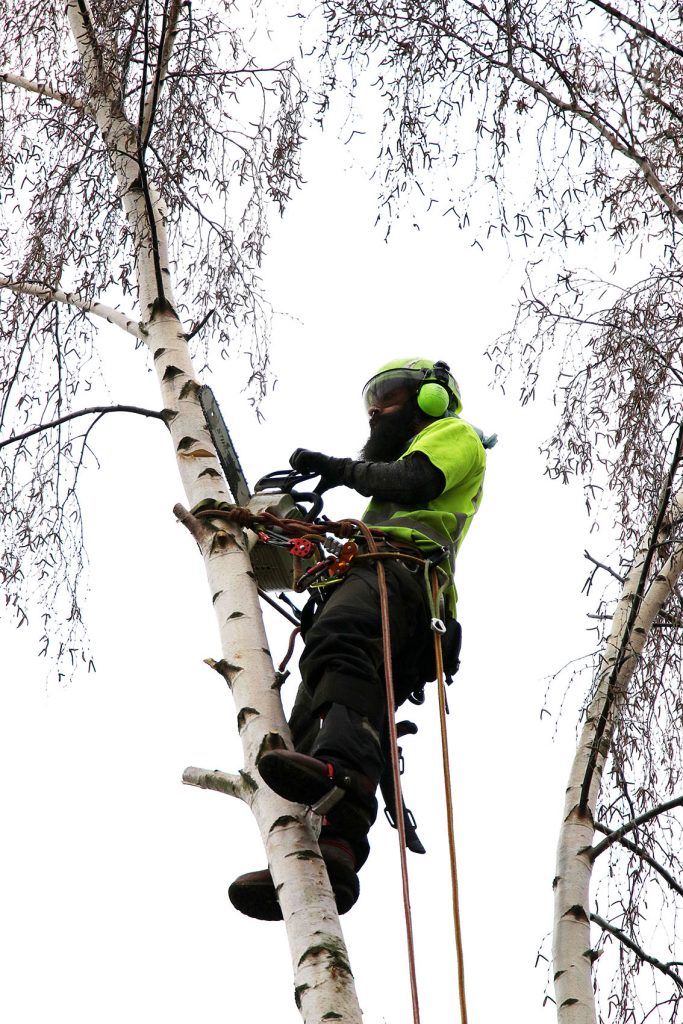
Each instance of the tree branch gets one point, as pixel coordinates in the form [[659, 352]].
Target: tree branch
[[630, 944], [198, 326], [600, 565], [644, 855], [221, 782], [614, 837], [166, 41], [43, 90], [95, 409], [195, 526], [108, 313], [637, 25]]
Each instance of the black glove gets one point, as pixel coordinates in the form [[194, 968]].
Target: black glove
[[330, 469]]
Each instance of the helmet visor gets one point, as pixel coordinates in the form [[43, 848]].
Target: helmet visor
[[378, 390]]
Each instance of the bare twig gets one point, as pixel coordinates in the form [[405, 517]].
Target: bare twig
[[638, 26], [644, 855], [614, 837], [601, 565], [201, 323], [635, 948], [95, 409]]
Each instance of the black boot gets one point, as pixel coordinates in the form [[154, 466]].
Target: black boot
[[254, 893], [344, 797], [339, 779]]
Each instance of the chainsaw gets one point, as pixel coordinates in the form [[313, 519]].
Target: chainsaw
[[277, 493]]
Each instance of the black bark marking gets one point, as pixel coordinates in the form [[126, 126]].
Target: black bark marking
[[222, 539], [244, 715], [186, 443], [248, 781], [210, 471], [159, 352], [189, 389], [271, 741], [298, 992], [334, 950], [283, 821], [171, 372], [576, 912], [216, 596]]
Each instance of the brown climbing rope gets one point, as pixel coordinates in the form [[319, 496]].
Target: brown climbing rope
[[395, 762], [440, 682]]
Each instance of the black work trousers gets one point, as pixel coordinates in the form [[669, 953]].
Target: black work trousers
[[342, 670], [343, 660]]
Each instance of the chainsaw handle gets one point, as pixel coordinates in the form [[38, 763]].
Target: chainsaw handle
[[287, 480]]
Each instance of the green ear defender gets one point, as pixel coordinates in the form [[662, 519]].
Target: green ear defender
[[433, 399]]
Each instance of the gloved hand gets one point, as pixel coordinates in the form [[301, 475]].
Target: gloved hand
[[330, 469]]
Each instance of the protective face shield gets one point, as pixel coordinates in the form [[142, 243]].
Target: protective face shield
[[435, 388]]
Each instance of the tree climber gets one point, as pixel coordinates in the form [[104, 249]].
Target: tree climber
[[423, 468]]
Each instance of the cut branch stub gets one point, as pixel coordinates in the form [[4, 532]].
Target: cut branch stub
[[225, 669]]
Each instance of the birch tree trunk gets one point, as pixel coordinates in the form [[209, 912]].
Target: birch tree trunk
[[324, 987], [573, 955]]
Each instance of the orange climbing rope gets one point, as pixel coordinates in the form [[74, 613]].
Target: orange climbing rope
[[440, 682]]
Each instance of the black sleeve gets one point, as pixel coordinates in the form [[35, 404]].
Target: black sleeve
[[408, 481]]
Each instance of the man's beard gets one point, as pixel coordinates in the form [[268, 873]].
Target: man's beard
[[389, 435]]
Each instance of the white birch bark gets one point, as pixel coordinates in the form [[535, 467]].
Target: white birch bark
[[572, 951], [324, 986]]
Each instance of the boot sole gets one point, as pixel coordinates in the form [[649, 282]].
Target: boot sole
[[303, 785], [256, 897]]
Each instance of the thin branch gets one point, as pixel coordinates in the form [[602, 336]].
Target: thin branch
[[630, 944], [600, 565], [614, 837], [638, 26], [628, 629], [101, 410], [644, 855], [197, 328], [221, 782], [17, 366], [43, 90], [108, 313]]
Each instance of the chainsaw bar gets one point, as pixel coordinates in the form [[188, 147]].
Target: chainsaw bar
[[237, 482]]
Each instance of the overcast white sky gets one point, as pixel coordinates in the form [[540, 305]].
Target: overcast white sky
[[114, 884]]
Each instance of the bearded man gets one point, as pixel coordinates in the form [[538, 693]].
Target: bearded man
[[423, 468]]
